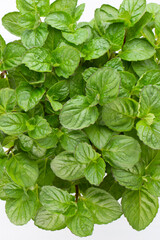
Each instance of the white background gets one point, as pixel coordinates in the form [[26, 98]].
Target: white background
[[118, 230]]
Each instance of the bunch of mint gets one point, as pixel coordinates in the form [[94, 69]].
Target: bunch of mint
[[80, 115]]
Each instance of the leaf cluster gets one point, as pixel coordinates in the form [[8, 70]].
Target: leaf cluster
[[80, 115]]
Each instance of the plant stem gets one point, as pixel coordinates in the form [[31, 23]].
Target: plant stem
[[77, 192], [3, 74], [9, 150]]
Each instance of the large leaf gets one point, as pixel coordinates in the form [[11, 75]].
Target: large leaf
[[119, 114], [99, 135], [103, 85], [137, 50], [11, 23], [122, 151], [151, 77], [13, 123], [141, 67], [21, 210], [96, 48], [66, 167], [22, 170], [95, 171], [67, 6], [134, 8], [38, 127], [149, 132], [137, 205], [77, 113], [55, 199], [49, 221], [103, 206], [28, 96], [12, 55], [65, 59], [78, 37], [60, 20], [81, 224], [38, 59], [59, 91], [35, 37]]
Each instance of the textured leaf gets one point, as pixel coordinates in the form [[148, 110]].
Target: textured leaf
[[38, 59], [137, 205], [7, 100], [122, 151], [141, 67], [38, 127], [78, 37], [103, 85], [59, 91], [22, 170], [119, 114], [20, 211], [2, 46], [48, 142], [128, 81], [66, 60], [12, 190], [49, 221], [79, 11], [85, 153], [11, 23], [67, 6], [137, 50], [26, 143], [28, 97], [13, 123], [151, 77], [103, 206], [77, 114], [29, 20], [66, 167], [35, 37]]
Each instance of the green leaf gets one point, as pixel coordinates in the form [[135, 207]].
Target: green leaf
[[103, 206], [46, 176], [96, 48], [60, 20], [119, 114], [36, 37], [130, 178], [103, 85], [99, 135], [95, 171], [141, 67], [149, 134], [49, 221], [70, 139], [78, 114], [54, 39], [66, 167], [149, 101], [12, 55], [153, 8], [22, 170], [11, 22], [12, 190], [59, 91], [151, 77], [84, 153], [134, 8], [115, 34], [128, 81], [26, 143], [56, 200], [67, 6], [79, 11], [13, 123], [48, 142], [29, 20], [122, 151], [2, 46], [40, 6], [137, 50], [38, 59], [20, 211], [157, 23], [137, 205], [65, 60], [149, 35], [78, 37], [88, 73], [38, 127], [28, 97], [7, 100], [115, 63], [82, 223]]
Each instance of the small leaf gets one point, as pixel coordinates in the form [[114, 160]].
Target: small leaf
[[7, 100], [78, 37], [79, 11], [67, 6]]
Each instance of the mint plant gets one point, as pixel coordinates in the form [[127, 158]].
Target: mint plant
[[80, 115]]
